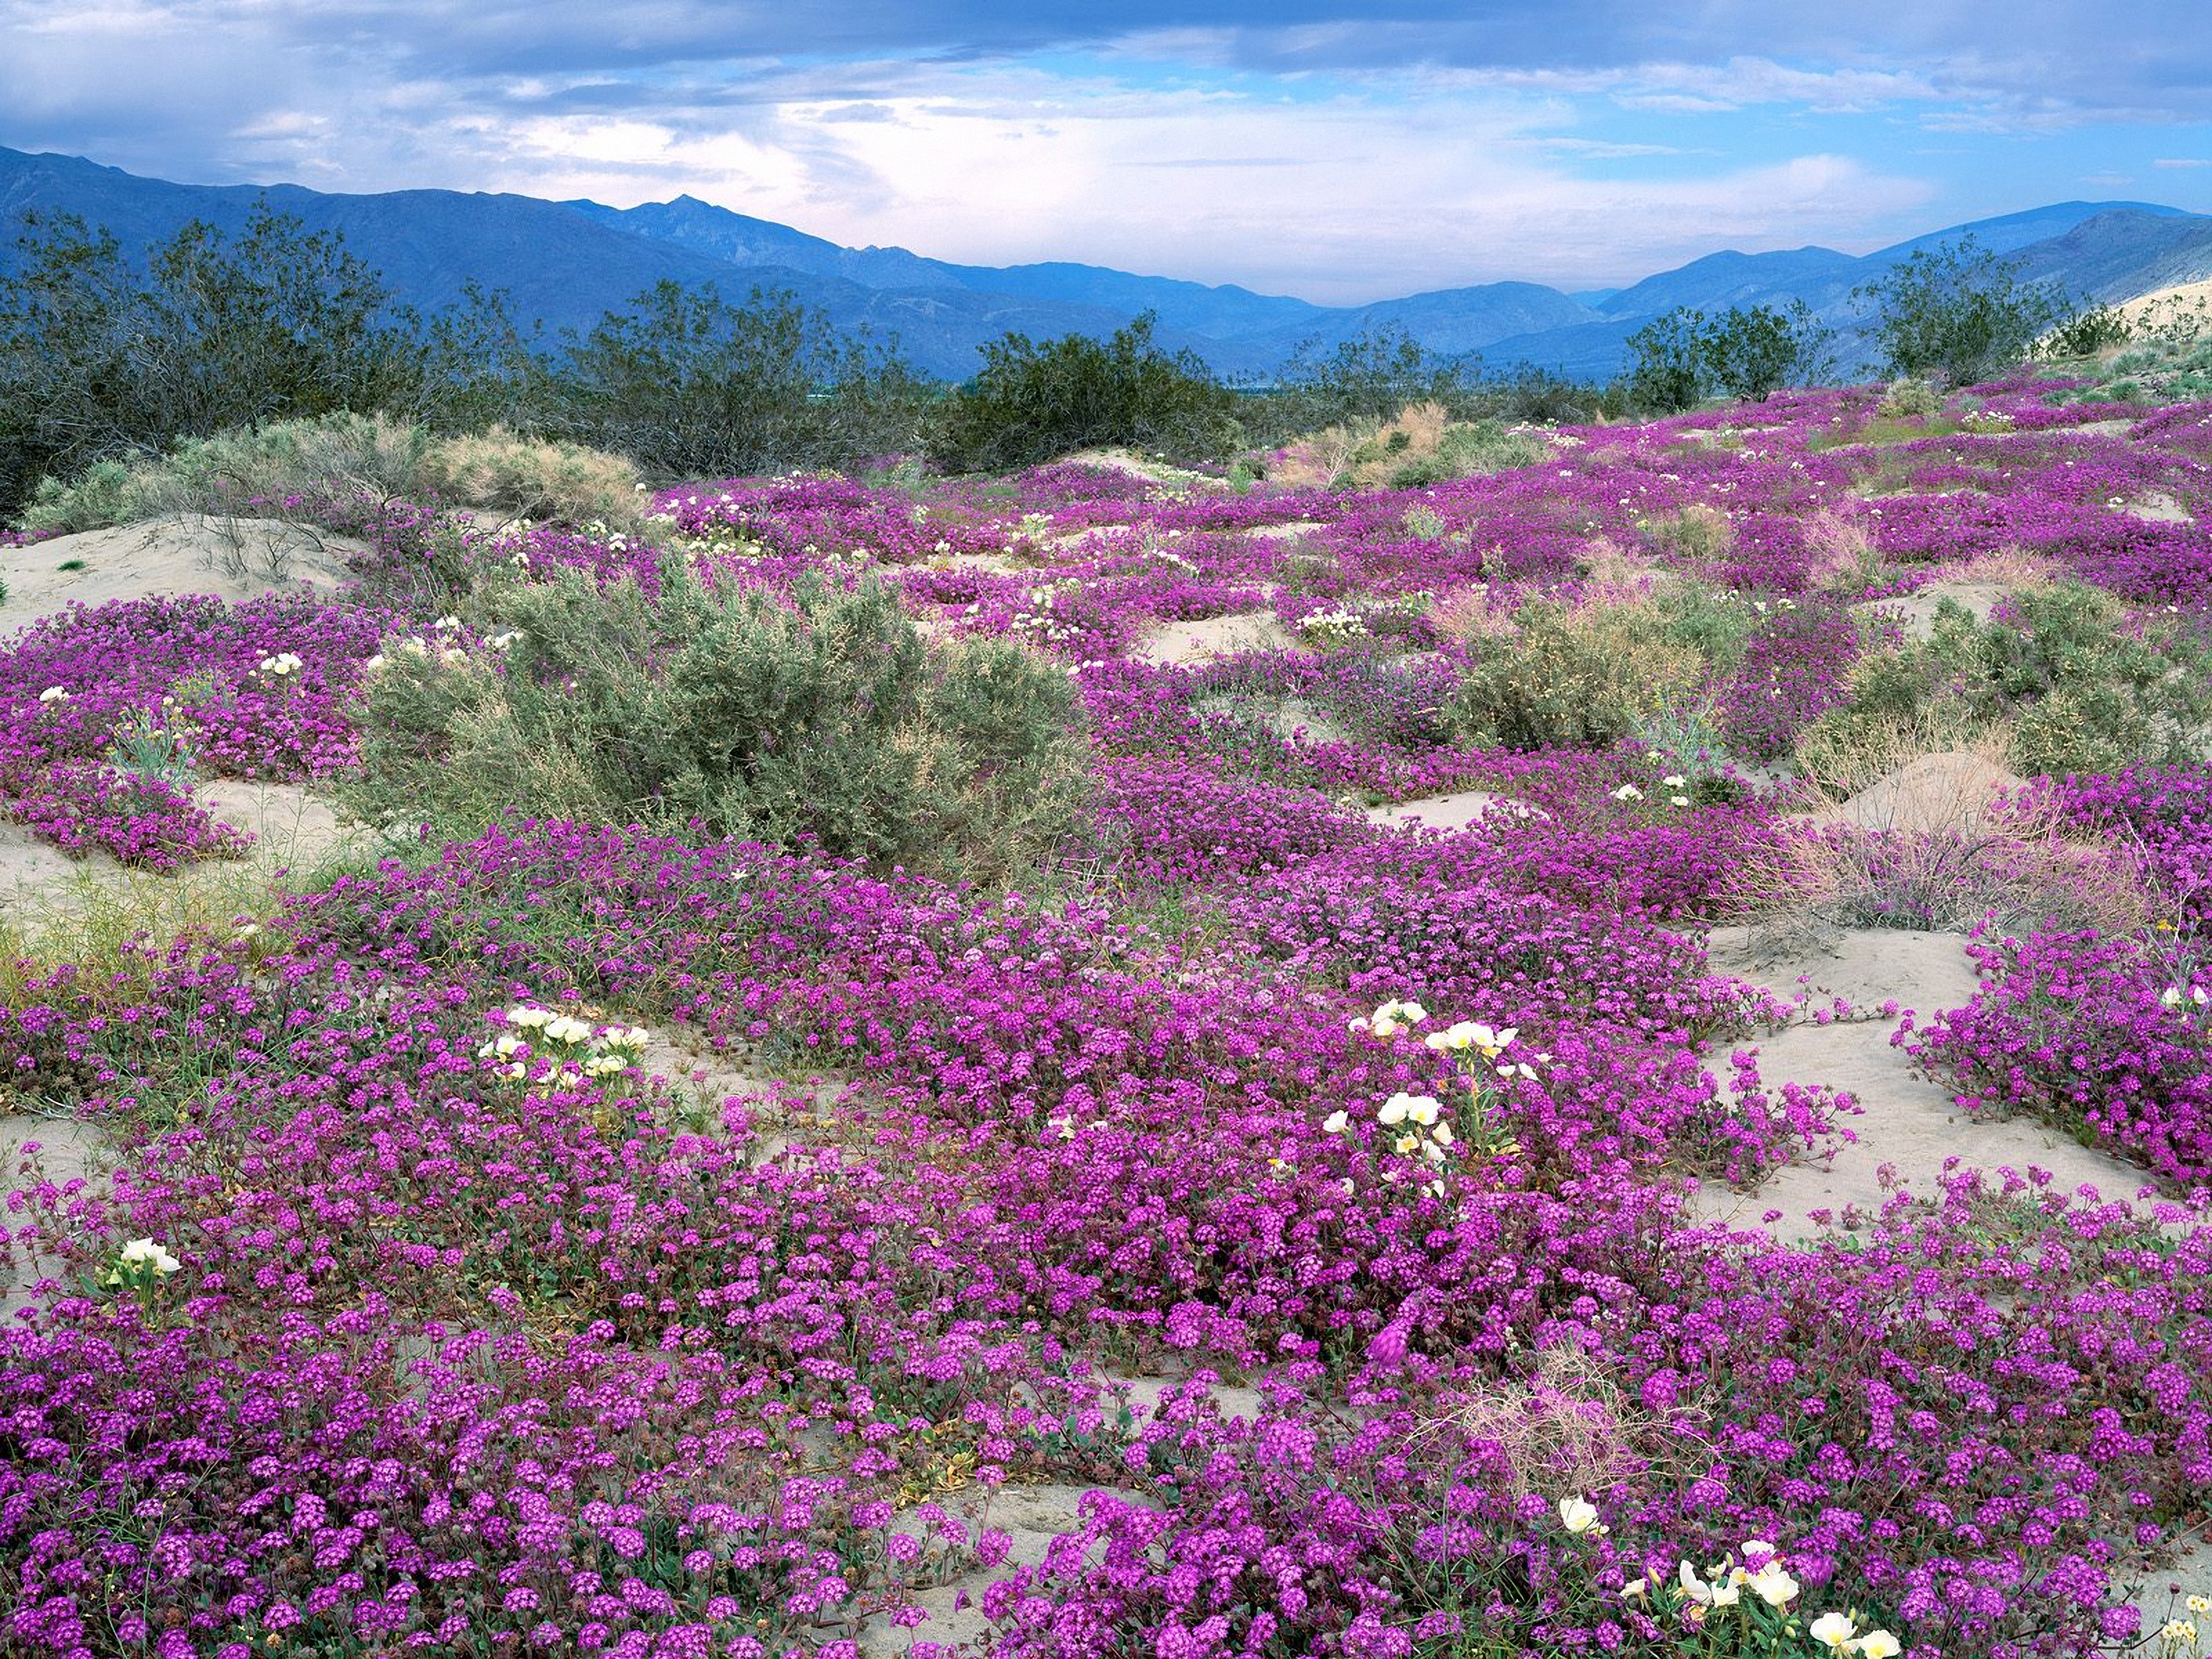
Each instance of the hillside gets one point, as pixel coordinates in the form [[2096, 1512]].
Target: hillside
[[566, 263]]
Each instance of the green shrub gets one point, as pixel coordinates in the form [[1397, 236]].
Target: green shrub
[[2079, 689], [1033, 403], [1907, 396], [253, 471], [1573, 680], [1750, 351], [690, 385], [824, 717], [1667, 362], [1960, 312]]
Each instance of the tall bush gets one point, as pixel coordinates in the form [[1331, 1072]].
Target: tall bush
[[821, 714], [1031, 402]]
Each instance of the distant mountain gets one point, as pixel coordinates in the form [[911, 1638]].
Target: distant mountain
[[567, 263]]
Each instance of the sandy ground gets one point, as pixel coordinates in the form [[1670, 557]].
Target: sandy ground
[[293, 830], [1907, 1128], [67, 1151], [1456, 810], [1918, 609], [1951, 790], [150, 560], [2185, 300], [2157, 507], [1182, 643]]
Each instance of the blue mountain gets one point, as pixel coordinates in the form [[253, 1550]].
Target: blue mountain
[[565, 263]]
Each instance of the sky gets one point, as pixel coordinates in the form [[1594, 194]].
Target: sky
[[1340, 151]]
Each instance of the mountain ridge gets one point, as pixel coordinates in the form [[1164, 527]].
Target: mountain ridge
[[567, 262]]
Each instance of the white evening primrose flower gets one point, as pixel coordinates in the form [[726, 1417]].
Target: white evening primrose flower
[[528, 1017], [1635, 1590], [1442, 1134], [1422, 1110], [1336, 1122], [1832, 1631], [54, 694], [1576, 1513], [1392, 1112], [1881, 1644], [1679, 800], [145, 1253], [1675, 781], [2171, 996], [373, 665], [1773, 1585], [448, 624], [1692, 1586], [1628, 791]]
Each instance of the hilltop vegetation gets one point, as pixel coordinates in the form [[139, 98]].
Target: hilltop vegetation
[[892, 1044]]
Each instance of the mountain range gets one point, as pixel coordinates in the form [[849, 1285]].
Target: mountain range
[[567, 262]]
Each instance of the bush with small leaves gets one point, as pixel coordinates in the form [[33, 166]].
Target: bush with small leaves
[[819, 715]]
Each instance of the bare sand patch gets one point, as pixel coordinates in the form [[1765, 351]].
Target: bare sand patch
[[1918, 609], [1457, 810], [1951, 790], [1908, 1128], [1178, 644], [67, 1151], [167, 558], [2158, 506]]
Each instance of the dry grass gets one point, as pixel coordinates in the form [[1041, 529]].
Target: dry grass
[[1932, 845], [1841, 556], [1569, 1427], [2014, 568], [1698, 533]]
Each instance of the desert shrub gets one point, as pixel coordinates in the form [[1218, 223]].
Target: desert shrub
[[1959, 864], [1960, 312], [1699, 534], [1907, 397], [2079, 689], [1361, 381], [102, 358], [537, 479], [1750, 351], [688, 385], [1419, 445], [2098, 329], [1573, 680], [1032, 402], [821, 716], [302, 468], [1667, 362]]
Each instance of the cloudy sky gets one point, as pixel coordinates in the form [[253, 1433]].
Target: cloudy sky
[[1338, 150]]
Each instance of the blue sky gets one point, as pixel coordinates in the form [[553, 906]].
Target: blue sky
[[1340, 151]]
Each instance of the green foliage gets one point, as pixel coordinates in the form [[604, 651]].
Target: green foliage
[[1958, 311], [1667, 362], [688, 386], [1573, 680], [1367, 378], [2098, 329], [144, 749], [1468, 449], [823, 716], [98, 361], [2080, 689], [1750, 352], [1031, 402], [253, 471]]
